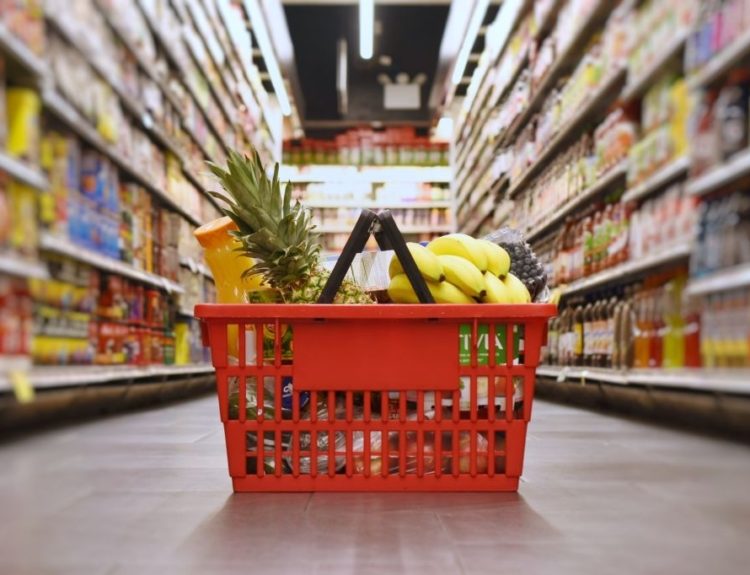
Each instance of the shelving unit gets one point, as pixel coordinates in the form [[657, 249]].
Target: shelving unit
[[597, 99], [637, 85], [23, 172], [65, 247], [366, 174], [612, 177], [12, 265], [345, 229], [63, 110], [629, 270], [730, 381], [379, 205], [483, 200], [723, 280], [567, 57], [720, 64], [471, 171], [17, 50], [45, 377], [717, 178], [659, 180], [176, 86]]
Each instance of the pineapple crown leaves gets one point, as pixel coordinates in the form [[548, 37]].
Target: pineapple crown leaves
[[276, 233]]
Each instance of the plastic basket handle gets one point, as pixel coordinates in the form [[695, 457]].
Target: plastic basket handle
[[388, 236]]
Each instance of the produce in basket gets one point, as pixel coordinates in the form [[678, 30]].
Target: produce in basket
[[523, 261], [276, 233], [472, 271]]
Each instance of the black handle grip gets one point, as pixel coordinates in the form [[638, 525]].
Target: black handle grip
[[354, 245], [388, 236]]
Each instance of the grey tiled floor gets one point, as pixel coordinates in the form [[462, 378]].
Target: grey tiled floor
[[148, 493]]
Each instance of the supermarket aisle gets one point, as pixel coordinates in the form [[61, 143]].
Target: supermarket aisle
[[148, 493]]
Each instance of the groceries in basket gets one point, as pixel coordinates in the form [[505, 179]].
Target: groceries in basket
[[406, 455], [266, 250]]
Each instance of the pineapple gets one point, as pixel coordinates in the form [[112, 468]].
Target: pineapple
[[276, 233]]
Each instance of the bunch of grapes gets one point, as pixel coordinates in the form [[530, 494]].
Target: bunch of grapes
[[526, 267]]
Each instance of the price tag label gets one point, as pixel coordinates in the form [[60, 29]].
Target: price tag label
[[22, 387]]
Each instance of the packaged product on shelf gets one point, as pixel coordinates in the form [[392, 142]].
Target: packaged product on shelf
[[665, 120], [23, 112], [654, 25], [732, 113], [25, 20], [723, 234], [724, 334], [24, 227], [718, 25], [3, 106], [15, 317]]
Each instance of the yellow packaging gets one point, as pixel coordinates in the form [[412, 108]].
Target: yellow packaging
[[24, 231], [680, 101], [181, 344], [23, 111]]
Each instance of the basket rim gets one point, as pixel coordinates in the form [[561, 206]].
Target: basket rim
[[500, 312]]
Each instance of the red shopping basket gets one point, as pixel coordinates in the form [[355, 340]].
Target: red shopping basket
[[385, 397]]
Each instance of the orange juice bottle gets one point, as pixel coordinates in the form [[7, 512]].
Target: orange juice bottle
[[227, 266]]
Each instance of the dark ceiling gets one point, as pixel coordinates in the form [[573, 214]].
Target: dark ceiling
[[409, 35]]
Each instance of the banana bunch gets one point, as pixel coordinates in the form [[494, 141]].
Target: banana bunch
[[459, 269]]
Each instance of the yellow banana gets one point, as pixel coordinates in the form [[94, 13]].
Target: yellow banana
[[446, 292], [518, 290], [498, 260], [427, 262], [497, 292], [401, 291], [463, 274], [460, 245]]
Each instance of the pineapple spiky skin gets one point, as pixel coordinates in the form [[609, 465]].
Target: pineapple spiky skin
[[276, 233]]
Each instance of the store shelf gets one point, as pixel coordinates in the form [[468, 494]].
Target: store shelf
[[22, 172], [347, 229], [629, 270], [597, 100], [10, 363], [660, 179], [581, 374], [11, 264], [130, 102], [723, 280], [482, 213], [366, 174], [732, 381], [135, 52], [175, 61], [640, 83], [65, 247], [721, 176], [63, 110], [721, 63], [196, 267], [567, 57], [16, 49], [217, 97], [80, 375], [372, 205], [606, 182]]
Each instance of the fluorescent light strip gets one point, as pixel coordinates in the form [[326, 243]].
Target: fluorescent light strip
[[342, 77], [261, 33], [366, 28], [471, 36]]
